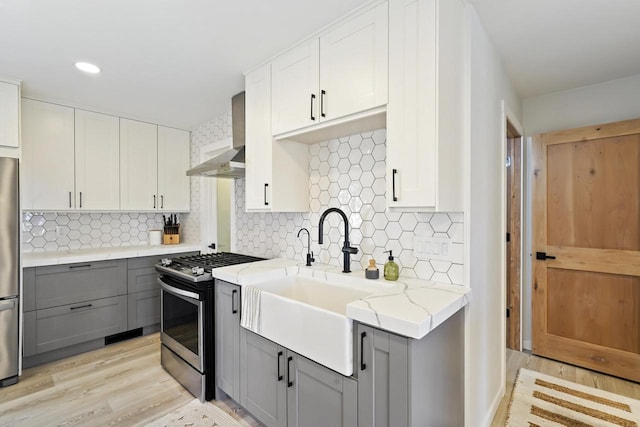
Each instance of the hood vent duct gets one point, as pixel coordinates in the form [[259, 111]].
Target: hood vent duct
[[229, 164]]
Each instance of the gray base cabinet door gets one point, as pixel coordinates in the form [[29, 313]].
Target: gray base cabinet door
[[263, 389], [144, 309], [382, 368], [281, 388], [227, 321], [318, 396]]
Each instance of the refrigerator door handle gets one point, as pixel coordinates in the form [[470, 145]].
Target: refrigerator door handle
[[7, 305]]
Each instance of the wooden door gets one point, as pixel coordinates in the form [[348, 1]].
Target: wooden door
[[514, 217], [586, 214]]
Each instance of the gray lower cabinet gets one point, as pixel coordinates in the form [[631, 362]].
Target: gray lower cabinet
[[227, 326], [404, 382], [282, 388], [143, 309]]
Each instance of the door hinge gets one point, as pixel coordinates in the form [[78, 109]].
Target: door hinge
[[508, 237], [508, 312]]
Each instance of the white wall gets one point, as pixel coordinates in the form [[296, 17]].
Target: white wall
[[489, 86], [610, 101]]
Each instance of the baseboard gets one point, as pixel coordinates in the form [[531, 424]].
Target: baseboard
[[494, 406]]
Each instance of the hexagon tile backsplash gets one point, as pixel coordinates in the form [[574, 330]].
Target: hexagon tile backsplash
[[349, 173], [52, 231]]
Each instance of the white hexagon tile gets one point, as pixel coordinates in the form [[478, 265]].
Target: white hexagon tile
[[349, 173]]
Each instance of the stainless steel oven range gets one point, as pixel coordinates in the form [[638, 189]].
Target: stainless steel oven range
[[187, 322]]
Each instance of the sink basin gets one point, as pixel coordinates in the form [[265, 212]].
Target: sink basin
[[308, 316]]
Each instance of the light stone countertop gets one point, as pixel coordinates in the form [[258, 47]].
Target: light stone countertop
[[38, 259], [409, 307]]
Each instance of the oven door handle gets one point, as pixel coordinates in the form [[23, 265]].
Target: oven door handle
[[177, 291]]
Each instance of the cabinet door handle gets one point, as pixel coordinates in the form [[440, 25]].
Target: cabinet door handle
[[81, 199], [363, 365], [69, 198], [280, 377], [154, 201], [234, 310], [393, 184], [289, 382], [313, 97], [81, 306], [162, 202], [80, 266], [322, 94], [265, 194]]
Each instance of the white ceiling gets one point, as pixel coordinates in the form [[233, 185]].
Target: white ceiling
[[174, 62], [179, 62], [552, 45]]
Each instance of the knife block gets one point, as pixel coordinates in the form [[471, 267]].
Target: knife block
[[171, 235]]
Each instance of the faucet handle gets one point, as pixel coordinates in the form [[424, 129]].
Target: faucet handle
[[310, 259], [350, 250]]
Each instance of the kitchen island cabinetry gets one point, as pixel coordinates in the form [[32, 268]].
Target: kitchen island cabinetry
[[227, 326], [342, 71], [277, 172], [282, 388], [425, 113], [403, 382]]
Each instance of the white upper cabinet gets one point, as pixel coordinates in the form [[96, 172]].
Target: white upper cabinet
[[295, 88], [97, 161], [47, 156], [339, 73], [354, 65], [425, 113], [9, 115], [258, 140], [138, 166], [174, 150], [277, 172]]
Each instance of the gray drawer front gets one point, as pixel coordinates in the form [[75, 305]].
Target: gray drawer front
[[72, 283], [144, 309], [76, 323], [142, 279]]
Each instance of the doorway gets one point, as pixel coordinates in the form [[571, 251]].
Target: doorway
[[513, 260], [586, 247]]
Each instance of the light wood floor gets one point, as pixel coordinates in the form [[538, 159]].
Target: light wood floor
[[122, 384], [516, 360]]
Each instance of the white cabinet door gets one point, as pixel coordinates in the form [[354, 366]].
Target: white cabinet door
[[295, 77], [174, 152], [48, 156], [258, 143], [425, 110], [138, 166], [9, 114], [353, 65], [97, 155]]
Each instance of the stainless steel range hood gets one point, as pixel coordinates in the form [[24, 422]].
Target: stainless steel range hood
[[229, 164]]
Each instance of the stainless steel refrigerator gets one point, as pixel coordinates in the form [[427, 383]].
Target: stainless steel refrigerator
[[9, 271]]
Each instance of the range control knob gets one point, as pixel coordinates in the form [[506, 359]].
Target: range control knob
[[197, 271], [165, 261]]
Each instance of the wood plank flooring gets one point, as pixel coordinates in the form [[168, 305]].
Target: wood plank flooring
[[516, 360], [122, 384]]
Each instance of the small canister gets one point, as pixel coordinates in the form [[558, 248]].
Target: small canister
[[372, 272], [155, 237]]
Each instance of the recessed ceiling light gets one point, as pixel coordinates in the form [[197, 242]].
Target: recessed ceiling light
[[87, 68]]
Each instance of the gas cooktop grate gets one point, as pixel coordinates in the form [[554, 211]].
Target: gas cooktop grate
[[220, 259]]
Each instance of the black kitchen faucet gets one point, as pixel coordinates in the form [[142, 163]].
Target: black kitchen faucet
[[347, 250]]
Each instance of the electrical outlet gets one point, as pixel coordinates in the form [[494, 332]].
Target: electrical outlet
[[430, 247]]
